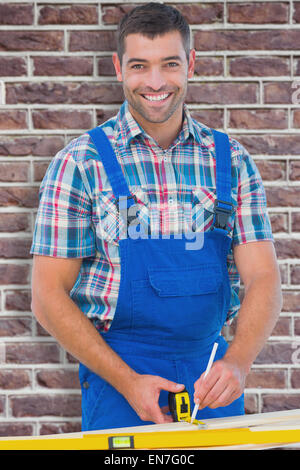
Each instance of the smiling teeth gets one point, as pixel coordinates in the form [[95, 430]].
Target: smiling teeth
[[156, 98]]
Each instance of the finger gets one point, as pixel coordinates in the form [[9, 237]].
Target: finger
[[204, 385], [225, 399], [165, 409], [170, 386], [217, 389], [159, 417]]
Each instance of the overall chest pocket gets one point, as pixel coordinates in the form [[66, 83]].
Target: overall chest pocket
[[186, 302]]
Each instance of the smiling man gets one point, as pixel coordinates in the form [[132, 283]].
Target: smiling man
[[141, 313]]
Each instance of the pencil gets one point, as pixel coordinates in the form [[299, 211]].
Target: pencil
[[211, 359]]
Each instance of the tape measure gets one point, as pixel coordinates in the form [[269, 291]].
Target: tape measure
[[179, 404]]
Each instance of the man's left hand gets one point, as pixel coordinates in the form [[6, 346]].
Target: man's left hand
[[223, 384]]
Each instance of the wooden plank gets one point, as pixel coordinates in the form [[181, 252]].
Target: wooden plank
[[258, 419]]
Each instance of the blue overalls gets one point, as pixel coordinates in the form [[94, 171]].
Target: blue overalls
[[172, 303]]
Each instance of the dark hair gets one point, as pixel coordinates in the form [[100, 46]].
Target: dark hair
[[151, 20]]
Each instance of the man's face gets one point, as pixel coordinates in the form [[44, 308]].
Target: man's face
[[155, 74]]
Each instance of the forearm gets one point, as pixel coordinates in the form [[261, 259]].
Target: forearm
[[61, 317], [257, 317]]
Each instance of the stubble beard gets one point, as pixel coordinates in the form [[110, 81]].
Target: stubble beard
[[156, 116]]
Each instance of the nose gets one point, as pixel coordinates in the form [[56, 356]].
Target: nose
[[155, 79]]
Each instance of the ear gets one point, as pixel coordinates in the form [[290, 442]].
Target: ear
[[117, 65], [191, 67]]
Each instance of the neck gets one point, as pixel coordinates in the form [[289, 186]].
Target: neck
[[164, 133]]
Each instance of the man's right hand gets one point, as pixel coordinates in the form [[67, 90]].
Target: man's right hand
[[143, 393]]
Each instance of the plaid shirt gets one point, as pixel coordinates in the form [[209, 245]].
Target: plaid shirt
[[174, 188]]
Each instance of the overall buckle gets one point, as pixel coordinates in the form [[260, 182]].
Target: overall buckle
[[222, 214]]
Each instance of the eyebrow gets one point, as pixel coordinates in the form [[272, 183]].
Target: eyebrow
[[136, 59]]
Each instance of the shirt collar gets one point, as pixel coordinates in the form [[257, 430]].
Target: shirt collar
[[128, 128]]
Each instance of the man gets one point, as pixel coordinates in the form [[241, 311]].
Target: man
[[131, 294]]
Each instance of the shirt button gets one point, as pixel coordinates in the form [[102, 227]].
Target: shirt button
[[86, 385], [171, 200]]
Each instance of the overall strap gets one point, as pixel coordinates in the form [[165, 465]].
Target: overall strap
[[223, 205], [111, 165]]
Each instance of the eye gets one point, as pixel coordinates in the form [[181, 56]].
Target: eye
[[137, 66], [172, 64]]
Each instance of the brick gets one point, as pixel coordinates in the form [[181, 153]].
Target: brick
[[258, 13], [296, 13], [45, 405], [222, 93], [62, 119], [242, 40], [197, 13], [279, 402], [40, 330], [111, 15], [283, 327], [278, 93], [39, 170], [15, 327], [10, 172], [15, 247], [206, 66], [275, 353], [105, 67], [36, 146], [297, 326], [32, 353], [18, 300], [251, 403], [193, 13], [282, 196], [14, 274], [16, 429], [279, 222], [258, 66], [31, 40], [295, 378], [296, 65], [294, 170], [14, 222], [209, 117], [13, 120], [92, 41], [16, 14], [258, 118], [270, 144], [74, 14], [291, 301], [62, 66], [59, 428], [67, 379], [296, 221], [14, 379], [296, 118], [295, 274], [287, 248], [12, 66], [283, 268], [266, 378], [64, 93], [103, 114], [20, 197], [271, 170]]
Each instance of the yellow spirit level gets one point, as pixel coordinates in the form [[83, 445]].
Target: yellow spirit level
[[179, 404]]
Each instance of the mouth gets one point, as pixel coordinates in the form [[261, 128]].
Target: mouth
[[157, 98]]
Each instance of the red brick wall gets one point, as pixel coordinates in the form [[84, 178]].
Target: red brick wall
[[56, 81]]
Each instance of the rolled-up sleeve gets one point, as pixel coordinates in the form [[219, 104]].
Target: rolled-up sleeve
[[63, 225], [252, 221]]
